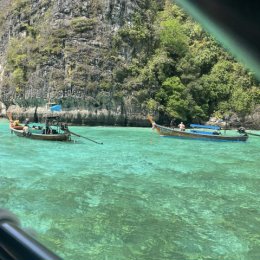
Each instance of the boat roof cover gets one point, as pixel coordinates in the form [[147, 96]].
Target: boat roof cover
[[214, 127]]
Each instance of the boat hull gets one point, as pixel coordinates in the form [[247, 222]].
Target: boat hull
[[188, 135], [46, 137], [170, 132]]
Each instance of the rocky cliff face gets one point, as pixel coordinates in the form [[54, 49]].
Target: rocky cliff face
[[65, 52], [105, 61]]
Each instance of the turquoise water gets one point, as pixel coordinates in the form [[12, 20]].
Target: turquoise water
[[137, 197]]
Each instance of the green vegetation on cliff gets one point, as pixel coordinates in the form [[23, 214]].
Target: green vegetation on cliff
[[188, 75], [159, 57]]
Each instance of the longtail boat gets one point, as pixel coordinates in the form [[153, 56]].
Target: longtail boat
[[197, 132], [52, 130]]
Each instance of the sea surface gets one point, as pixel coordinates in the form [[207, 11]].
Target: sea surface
[[136, 197]]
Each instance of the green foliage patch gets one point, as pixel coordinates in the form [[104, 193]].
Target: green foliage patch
[[82, 24]]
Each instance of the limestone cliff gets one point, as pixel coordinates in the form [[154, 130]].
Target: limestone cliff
[[110, 62], [64, 52]]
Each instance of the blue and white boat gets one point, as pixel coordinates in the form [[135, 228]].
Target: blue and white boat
[[203, 132]]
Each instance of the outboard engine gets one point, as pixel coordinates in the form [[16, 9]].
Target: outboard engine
[[242, 130]]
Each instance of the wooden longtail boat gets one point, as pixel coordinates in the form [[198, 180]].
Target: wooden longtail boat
[[41, 136], [47, 132], [216, 135]]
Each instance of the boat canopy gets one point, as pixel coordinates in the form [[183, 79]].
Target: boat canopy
[[214, 127]]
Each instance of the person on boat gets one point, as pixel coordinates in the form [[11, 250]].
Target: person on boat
[[26, 129], [172, 123], [47, 130], [181, 126], [64, 127], [16, 123], [27, 121]]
